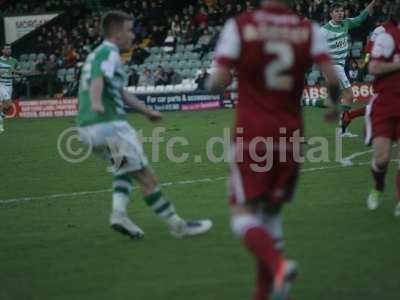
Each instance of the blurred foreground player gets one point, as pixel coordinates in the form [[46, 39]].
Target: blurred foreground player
[[103, 125], [271, 50], [383, 112]]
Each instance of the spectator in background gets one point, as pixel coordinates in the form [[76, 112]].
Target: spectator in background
[[169, 43], [51, 74], [40, 65], [133, 77], [205, 43], [173, 77], [138, 55], [160, 76], [175, 26], [201, 79], [158, 36], [354, 72], [201, 18], [70, 56], [146, 78]]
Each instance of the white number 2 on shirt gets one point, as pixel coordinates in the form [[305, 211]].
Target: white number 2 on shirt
[[274, 77]]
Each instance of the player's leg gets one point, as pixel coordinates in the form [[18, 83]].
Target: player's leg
[[277, 271], [347, 102], [104, 140], [346, 98], [257, 220], [2, 116], [3, 99], [119, 220], [380, 160], [350, 115], [164, 209], [397, 208]]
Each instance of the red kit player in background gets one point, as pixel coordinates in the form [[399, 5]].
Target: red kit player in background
[[383, 112], [271, 49], [349, 116]]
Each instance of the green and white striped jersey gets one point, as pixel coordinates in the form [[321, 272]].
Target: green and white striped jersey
[[337, 37], [105, 61], [7, 66]]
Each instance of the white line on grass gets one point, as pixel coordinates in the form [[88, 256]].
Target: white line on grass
[[184, 182]]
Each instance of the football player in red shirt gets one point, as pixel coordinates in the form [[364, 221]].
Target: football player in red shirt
[[383, 112], [271, 49], [350, 115]]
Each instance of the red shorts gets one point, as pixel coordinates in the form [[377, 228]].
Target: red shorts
[[272, 180], [383, 117]]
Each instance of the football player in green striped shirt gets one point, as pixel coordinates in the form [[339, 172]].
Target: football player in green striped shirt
[[8, 67], [336, 32], [103, 125]]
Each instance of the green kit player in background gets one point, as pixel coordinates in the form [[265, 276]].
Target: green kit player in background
[[8, 68], [336, 32], [103, 125]]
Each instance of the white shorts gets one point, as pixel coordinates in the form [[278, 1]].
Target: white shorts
[[5, 93], [116, 142], [344, 81]]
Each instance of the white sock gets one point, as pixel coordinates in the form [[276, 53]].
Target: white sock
[[120, 202], [273, 223]]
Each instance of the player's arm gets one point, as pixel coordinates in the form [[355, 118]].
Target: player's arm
[[102, 67], [132, 101], [362, 17], [219, 80], [96, 90], [380, 68], [383, 48], [227, 53]]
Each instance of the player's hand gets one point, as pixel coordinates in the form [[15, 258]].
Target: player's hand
[[332, 115], [154, 115], [98, 108]]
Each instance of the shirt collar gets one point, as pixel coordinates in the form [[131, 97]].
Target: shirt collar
[[333, 24], [111, 44]]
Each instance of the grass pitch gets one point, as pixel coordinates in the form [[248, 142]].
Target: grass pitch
[[57, 245]]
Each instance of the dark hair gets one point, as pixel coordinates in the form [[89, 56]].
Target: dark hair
[[114, 19], [395, 13], [335, 5]]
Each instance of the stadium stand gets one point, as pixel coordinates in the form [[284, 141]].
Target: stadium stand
[[181, 44]]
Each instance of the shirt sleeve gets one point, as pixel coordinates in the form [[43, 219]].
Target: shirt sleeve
[[384, 46], [228, 49], [319, 45], [105, 65], [357, 21]]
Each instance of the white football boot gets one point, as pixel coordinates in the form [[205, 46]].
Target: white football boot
[[184, 228], [122, 224]]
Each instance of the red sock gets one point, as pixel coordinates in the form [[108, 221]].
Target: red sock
[[355, 113], [264, 281], [262, 246], [379, 178]]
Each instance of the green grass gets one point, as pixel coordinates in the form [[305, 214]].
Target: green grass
[[62, 248]]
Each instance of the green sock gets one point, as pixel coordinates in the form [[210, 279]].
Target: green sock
[[161, 206]]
